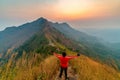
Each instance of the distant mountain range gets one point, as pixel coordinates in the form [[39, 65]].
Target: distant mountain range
[[110, 35]]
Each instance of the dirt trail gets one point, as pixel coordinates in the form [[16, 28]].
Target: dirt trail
[[71, 75]]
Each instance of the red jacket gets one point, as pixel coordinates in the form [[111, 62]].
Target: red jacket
[[64, 60]]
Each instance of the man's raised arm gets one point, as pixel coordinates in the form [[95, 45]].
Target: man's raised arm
[[57, 55], [71, 57]]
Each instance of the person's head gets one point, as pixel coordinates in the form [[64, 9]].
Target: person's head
[[63, 54]]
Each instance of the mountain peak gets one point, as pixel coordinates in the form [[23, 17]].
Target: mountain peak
[[41, 19]]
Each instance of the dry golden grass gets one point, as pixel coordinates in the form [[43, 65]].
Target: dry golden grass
[[30, 67], [46, 70], [87, 69], [35, 67]]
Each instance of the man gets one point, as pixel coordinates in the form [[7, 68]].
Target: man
[[64, 62]]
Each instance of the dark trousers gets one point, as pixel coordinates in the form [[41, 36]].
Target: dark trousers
[[65, 72]]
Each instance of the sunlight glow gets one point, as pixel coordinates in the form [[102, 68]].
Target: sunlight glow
[[74, 8]]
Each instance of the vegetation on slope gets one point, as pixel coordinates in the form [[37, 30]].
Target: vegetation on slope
[[33, 66], [29, 67], [88, 69]]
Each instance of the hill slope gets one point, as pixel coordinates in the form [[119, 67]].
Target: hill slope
[[32, 60], [13, 37], [29, 36], [34, 67], [16, 36]]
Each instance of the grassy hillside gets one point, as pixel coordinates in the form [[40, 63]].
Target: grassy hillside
[[88, 69], [35, 67]]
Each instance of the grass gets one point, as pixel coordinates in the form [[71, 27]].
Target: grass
[[30, 67], [44, 71], [88, 69], [37, 68], [33, 66]]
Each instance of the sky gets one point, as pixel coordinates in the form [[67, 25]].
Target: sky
[[80, 14]]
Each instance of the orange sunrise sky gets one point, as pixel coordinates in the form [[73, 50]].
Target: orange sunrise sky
[[78, 13]]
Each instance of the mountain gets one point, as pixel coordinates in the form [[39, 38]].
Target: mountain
[[116, 48], [31, 59], [111, 35], [26, 37], [47, 37], [84, 39], [24, 32], [15, 36]]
